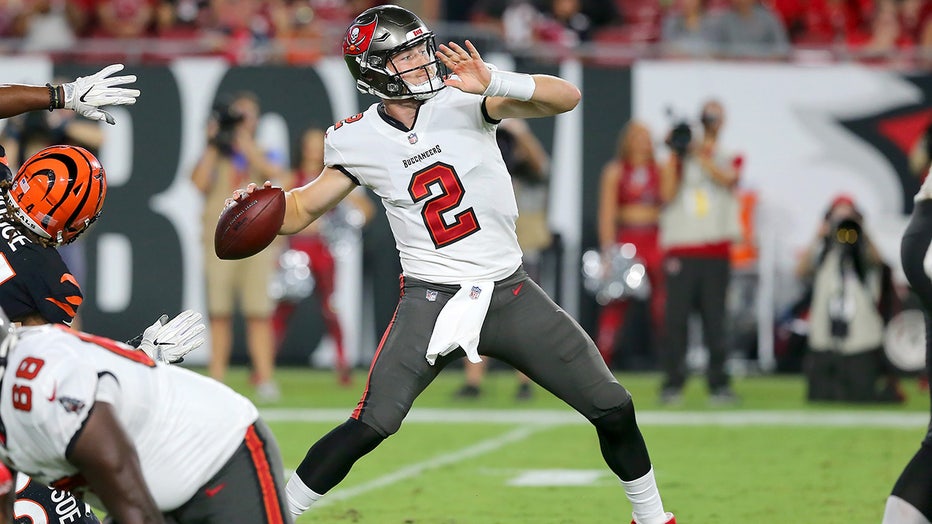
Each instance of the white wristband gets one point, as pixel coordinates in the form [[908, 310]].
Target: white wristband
[[511, 85]]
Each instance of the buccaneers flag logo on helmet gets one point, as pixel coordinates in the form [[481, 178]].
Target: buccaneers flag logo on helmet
[[358, 38]]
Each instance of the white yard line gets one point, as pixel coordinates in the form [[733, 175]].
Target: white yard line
[[447, 458], [554, 417]]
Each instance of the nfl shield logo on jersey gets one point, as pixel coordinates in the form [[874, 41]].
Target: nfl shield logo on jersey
[[412, 138], [71, 405], [431, 295], [474, 292]]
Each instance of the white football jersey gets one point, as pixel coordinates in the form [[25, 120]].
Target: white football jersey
[[444, 185], [184, 426]]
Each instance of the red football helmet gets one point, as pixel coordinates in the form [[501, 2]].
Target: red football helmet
[[58, 193]]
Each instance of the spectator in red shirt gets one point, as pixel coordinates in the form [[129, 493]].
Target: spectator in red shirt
[[13, 18], [887, 36], [824, 22], [124, 18], [915, 18]]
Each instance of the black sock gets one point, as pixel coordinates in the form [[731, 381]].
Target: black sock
[[915, 483]]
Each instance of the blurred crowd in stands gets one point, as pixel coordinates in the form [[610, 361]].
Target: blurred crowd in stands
[[611, 31]]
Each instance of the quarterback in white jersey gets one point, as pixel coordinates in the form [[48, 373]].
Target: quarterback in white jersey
[[101, 419], [428, 150], [449, 198]]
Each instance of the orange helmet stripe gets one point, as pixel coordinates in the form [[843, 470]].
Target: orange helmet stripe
[[67, 308]]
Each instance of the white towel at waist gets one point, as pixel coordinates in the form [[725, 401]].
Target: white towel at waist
[[460, 322]]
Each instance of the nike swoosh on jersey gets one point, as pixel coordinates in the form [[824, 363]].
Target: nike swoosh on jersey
[[52, 397], [210, 492]]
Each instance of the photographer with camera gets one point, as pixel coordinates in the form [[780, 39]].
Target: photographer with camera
[[697, 227], [232, 158], [846, 280]]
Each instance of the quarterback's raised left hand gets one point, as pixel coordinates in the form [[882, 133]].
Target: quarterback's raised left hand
[[472, 75], [170, 340], [88, 93]]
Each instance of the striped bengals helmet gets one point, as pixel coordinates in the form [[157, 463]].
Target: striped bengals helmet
[[58, 193]]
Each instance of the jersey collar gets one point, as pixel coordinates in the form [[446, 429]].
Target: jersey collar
[[392, 121]]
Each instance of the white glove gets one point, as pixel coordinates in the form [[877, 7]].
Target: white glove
[[87, 93], [169, 341]]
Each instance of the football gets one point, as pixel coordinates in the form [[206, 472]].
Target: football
[[249, 226]]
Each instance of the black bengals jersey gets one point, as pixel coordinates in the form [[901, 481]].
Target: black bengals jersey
[[39, 504], [34, 278]]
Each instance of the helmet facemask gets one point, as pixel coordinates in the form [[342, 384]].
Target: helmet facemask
[[430, 73]]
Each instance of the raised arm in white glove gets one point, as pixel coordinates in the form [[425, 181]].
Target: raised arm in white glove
[[88, 93], [170, 340]]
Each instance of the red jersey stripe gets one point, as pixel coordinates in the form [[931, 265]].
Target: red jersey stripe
[[273, 510]]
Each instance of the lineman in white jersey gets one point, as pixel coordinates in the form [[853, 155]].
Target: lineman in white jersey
[[142, 440], [910, 502], [429, 151]]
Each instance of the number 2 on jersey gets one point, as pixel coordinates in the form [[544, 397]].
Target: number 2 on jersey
[[452, 191]]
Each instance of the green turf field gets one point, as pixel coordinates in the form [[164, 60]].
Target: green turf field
[[772, 459]]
